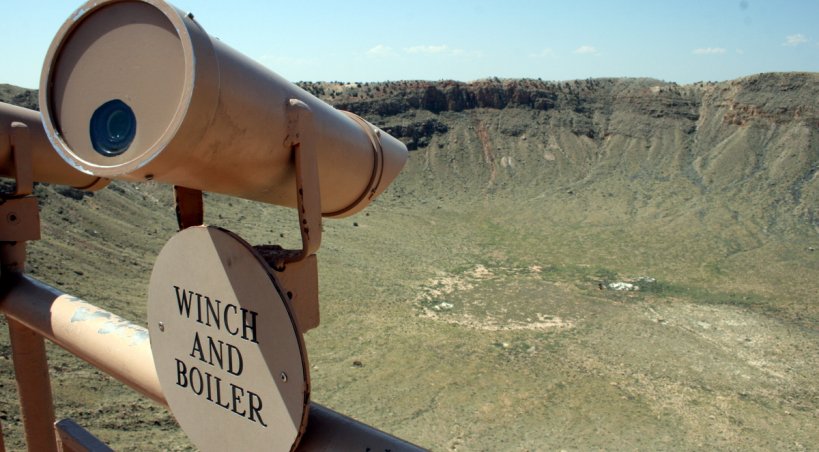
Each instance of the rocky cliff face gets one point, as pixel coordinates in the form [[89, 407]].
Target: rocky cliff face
[[779, 98], [749, 146]]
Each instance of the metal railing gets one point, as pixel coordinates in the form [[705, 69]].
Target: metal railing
[[121, 349]]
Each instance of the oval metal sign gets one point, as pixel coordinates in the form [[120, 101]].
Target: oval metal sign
[[229, 356]]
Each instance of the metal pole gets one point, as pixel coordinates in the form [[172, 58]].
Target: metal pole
[[122, 349], [33, 386], [109, 342], [30, 363], [329, 430]]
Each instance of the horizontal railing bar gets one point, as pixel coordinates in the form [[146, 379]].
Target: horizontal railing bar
[[105, 340], [122, 349]]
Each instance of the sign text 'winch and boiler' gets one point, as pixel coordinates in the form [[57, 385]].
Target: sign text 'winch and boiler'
[[238, 323]]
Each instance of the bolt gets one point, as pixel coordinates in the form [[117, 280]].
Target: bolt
[[161, 327], [12, 217], [284, 377]]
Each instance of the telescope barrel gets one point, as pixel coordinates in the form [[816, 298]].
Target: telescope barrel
[[47, 166], [136, 90]]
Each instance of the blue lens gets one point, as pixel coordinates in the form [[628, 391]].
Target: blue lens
[[113, 128]]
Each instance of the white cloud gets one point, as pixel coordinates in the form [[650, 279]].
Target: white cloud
[[740, 52], [586, 50], [442, 50], [795, 40], [430, 49], [545, 53], [709, 51], [381, 51]]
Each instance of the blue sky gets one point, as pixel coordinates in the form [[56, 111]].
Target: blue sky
[[680, 41]]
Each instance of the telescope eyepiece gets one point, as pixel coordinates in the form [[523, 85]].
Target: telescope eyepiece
[[113, 128]]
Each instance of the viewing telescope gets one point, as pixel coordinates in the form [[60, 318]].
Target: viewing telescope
[[137, 90]]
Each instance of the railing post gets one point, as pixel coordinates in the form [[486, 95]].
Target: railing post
[[20, 222], [30, 365], [33, 387]]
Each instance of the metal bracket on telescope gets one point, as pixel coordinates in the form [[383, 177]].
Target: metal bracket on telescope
[[300, 134], [190, 209], [19, 214], [297, 270]]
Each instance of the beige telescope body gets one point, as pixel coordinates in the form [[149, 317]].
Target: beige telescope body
[[46, 165], [204, 116]]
